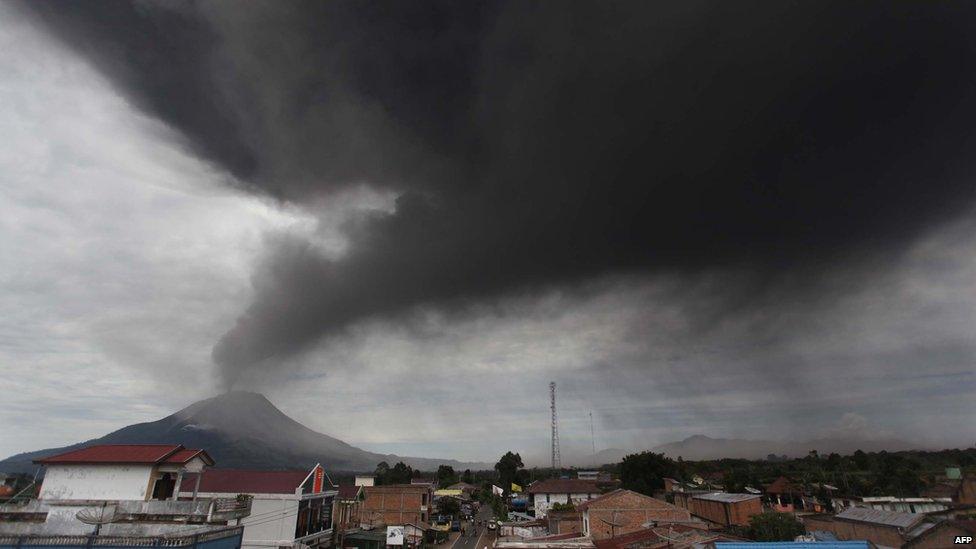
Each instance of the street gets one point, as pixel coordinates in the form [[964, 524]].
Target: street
[[477, 537]]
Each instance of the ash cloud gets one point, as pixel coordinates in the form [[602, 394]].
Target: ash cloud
[[538, 145]]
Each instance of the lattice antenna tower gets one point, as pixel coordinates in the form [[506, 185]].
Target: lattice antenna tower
[[555, 427]]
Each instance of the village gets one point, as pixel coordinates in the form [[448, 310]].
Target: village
[[172, 496]]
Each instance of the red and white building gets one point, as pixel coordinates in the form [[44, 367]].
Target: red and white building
[[287, 507], [123, 490]]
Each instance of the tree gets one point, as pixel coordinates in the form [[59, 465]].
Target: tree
[[645, 472], [508, 467], [446, 476], [449, 506], [401, 473], [467, 476], [381, 472], [775, 527]]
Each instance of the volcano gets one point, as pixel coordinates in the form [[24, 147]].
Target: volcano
[[244, 430]]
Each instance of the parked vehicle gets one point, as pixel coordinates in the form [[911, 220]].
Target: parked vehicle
[[492, 525], [455, 526]]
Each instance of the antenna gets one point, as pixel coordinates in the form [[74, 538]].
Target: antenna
[[592, 439], [555, 427]]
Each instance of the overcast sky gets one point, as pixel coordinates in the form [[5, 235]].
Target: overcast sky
[[402, 223]]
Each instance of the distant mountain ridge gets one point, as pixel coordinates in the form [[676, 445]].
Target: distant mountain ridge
[[244, 430], [701, 447]]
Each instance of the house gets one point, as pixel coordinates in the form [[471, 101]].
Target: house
[[120, 472], [944, 534], [347, 508], [288, 507], [721, 508], [882, 528], [397, 504], [623, 511], [891, 503], [546, 493], [784, 496], [123, 495], [954, 485]]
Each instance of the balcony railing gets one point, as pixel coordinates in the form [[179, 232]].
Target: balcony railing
[[198, 539]]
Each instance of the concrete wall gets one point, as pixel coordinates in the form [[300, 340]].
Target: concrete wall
[[565, 522], [272, 522], [111, 482]]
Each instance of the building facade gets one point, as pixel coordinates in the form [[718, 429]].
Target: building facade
[[397, 504], [546, 493], [288, 507], [122, 494], [721, 508]]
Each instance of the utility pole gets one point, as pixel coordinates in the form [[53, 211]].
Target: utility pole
[[555, 428], [593, 440]]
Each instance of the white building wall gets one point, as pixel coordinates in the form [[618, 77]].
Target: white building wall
[[111, 482], [272, 522], [542, 506]]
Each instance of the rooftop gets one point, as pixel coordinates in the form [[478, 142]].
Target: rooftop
[[148, 454], [244, 481], [878, 516], [564, 486], [727, 498]]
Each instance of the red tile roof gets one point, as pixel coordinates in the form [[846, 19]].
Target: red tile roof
[[241, 481], [186, 454], [565, 486], [149, 454]]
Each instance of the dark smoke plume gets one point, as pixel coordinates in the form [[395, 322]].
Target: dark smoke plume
[[538, 144]]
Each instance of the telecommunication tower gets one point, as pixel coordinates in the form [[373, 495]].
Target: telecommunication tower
[[555, 427]]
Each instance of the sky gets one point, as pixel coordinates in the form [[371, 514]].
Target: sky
[[400, 222]]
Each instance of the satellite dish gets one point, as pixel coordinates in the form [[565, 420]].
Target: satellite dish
[[105, 514]]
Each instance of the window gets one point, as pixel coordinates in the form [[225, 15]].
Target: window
[[547, 498], [163, 489]]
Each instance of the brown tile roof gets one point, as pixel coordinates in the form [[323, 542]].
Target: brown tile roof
[[243, 481], [348, 491], [658, 503], [782, 485], [148, 454], [564, 486]]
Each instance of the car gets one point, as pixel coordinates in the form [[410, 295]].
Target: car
[[492, 524], [455, 526]]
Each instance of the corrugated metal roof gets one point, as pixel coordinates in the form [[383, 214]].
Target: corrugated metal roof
[[727, 498], [793, 545], [878, 516]]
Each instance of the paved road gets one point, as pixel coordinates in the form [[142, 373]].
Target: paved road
[[476, 538]]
